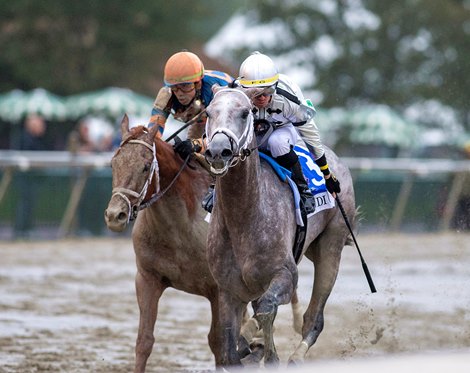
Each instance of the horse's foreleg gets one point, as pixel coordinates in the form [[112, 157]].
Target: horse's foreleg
[[214, 337], [326, 269], [279, 292], [249, 328], [297, 315], [230, 317], [149, 290]]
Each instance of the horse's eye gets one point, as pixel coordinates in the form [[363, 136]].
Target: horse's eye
[[245, 113], [146, 167]]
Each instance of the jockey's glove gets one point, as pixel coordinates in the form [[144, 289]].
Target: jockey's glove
[[332, 184], [184, 148]]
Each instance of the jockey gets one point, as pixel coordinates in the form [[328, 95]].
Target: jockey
[[279, 106], [187, 92]]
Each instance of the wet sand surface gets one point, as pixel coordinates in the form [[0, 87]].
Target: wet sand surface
[[69, 306]]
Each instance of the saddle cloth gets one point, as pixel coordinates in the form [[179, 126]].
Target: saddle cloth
[[315, 179]]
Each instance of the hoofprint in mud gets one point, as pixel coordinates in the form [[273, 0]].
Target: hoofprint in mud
[[69, 306]]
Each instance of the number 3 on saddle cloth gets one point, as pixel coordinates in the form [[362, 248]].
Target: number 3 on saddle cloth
[[316, 183]]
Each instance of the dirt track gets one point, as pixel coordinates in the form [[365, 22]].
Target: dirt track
[[69, 306]]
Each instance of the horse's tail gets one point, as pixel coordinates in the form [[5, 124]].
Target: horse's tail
[[355, 225]]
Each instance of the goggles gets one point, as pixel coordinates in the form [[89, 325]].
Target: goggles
[[183, 87], [268, 91]]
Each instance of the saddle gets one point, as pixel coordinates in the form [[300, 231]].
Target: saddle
[[316, 183]]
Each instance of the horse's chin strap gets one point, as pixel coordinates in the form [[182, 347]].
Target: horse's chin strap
[[124, 192]]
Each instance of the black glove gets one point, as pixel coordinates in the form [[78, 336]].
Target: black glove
[[332, 184], [261, 126], [183, 148]]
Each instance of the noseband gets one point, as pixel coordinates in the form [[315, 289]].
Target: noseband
[[124, 192], [238, 145]]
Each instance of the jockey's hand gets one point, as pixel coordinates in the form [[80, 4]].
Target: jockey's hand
[[186, 147], [332, 184], [183, 148], [261, 126]]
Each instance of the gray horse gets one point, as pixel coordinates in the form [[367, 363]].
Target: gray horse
[[169, 236], [252, 232]]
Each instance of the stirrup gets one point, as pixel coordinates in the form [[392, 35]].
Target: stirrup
[[208, 200]]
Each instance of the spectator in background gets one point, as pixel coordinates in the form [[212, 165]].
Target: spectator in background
[[32, 138], [91, 135]]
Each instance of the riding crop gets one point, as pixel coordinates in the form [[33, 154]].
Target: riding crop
[[364, 265]]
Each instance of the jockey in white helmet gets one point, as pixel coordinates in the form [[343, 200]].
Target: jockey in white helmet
[[280, 104]]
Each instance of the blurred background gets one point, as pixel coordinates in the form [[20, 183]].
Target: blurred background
[[389, 81]]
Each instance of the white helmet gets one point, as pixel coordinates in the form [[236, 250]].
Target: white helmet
[[258, 70]]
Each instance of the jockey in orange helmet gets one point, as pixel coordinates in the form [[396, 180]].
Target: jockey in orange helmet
[[187, 92]]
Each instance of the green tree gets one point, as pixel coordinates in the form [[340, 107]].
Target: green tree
[[72, 46], [394, 52]]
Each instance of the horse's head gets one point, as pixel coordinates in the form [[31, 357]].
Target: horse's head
[[229, 129], [135, 175]]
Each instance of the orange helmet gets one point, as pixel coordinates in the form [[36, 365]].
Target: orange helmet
[[183, 67]]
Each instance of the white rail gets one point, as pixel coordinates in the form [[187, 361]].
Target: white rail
[[20, 161]]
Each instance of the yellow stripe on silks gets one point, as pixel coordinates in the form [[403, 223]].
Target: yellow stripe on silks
[[325, 167], [271, 80]]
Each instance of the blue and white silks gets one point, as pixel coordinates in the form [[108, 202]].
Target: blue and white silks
[[315, 179]]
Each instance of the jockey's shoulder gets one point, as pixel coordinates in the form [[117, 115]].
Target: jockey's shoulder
[[217, 77]]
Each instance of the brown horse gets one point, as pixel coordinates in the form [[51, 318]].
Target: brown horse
[[169, 236], [252, 231]]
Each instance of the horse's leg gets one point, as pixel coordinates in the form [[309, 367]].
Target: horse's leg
[[214, 334], [230, 317], [326, 257], [279, 292], [296, 313], [149, 289], [249, 328]]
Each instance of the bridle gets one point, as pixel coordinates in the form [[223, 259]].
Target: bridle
[[238, 144], [124, 193], [139, 196]]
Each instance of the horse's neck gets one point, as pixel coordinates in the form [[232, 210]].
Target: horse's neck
[[182, 187], [242, 186]]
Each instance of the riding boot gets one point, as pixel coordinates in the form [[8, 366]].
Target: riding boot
[[306, 196], [208, 200]]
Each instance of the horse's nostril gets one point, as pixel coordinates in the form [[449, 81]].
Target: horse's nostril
[[122, 216], [226, 153]]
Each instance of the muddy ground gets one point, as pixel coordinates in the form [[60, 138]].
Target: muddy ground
[[69, 306]]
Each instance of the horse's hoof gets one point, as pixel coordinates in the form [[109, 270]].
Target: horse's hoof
[[294, 362], [272, 361], [243, 347], [254, 358]]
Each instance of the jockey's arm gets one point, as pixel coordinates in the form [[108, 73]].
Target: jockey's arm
[[303, 121], [160, 110], [332, 184]]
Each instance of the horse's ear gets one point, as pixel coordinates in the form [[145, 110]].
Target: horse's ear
[[153, 132], [124, 125]]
